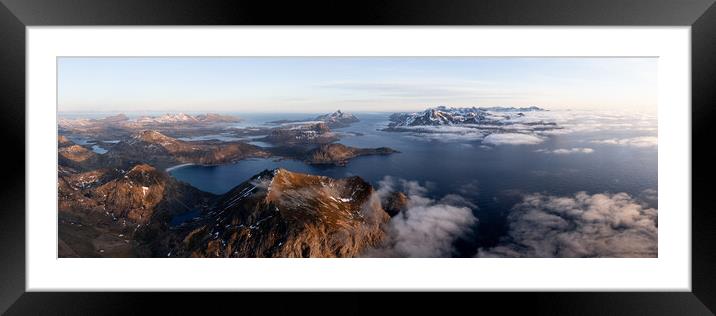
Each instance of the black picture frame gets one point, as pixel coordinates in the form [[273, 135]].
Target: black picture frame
[[16, 15]]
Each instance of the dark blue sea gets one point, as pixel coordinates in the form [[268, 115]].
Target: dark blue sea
[[493, 178]]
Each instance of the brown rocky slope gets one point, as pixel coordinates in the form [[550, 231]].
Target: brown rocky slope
[[163, 151], [339, 154], [102, 211], [286, 214]]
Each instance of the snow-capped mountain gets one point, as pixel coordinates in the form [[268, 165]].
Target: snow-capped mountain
[[443, 115], [512, 109], [145, 121], [217, 118], [301, 133], [174, 118], [74, 123], [337, 119], [186, 118]]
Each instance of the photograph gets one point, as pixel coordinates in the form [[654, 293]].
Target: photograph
[[501, 151], [357, 157]]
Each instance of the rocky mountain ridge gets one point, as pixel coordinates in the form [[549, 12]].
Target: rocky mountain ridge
[[336, 119], [163, 151], [279, 213], [168, 118], [101, 212], [301, 134], [339, 154], [440, 116]]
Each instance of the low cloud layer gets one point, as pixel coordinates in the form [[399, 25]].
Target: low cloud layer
[[428, 227], [597, 121], [567, 151], [650, 195], [512, 139], [446, 133], [536, 127], [583, 225], [642, 142]]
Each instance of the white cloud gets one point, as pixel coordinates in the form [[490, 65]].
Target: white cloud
[[567, 151], [650, 195], [533, 124], [512, 139], [596, 121], [447, 137], [426, 89], [530, 130], [599, 225], [642, 142], [427, 228], [445, 133]]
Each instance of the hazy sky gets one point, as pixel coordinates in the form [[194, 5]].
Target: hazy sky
[[353, 84]]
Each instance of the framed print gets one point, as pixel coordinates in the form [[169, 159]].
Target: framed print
[[498, 147]]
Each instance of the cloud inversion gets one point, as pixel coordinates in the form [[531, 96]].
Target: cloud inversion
[[512, 139], [642, 142], [599, 225], [567, 151], [427, 228]]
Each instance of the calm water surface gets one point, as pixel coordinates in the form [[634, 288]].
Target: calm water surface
[[493, 178]]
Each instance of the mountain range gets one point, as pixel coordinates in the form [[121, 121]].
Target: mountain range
[[128, 211], [442, 115], [103, 212], [169, 118]]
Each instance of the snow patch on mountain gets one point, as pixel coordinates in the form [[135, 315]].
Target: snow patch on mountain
[[494, 125]]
